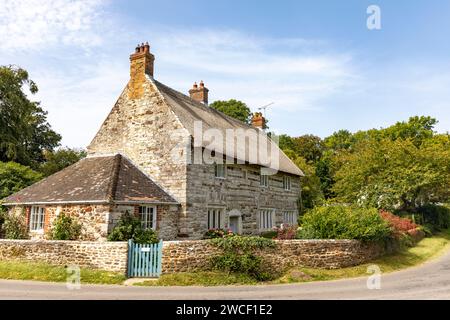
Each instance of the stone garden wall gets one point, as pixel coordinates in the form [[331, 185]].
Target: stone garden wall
[[179, 256], [110, 256]]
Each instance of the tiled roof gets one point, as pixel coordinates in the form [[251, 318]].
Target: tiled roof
[[106, 179]]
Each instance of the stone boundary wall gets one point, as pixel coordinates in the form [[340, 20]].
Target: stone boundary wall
[[181, 256], [109, 256]]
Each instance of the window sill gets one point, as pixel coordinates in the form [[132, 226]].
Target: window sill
[[221, 178]]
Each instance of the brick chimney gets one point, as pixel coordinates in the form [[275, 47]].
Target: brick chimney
[[141, 63], [258, 121], [199, 93]]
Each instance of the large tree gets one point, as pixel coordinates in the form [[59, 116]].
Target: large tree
[[24, 130], [233, 108], [59, 159]]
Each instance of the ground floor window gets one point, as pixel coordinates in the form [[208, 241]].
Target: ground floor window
[[37, 217], [266, 219], [290, 217], [215, 218], [148, 217]]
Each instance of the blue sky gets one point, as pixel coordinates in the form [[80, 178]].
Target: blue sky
[[316, 60]]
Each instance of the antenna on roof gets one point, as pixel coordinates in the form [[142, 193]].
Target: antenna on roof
[[264, 107]]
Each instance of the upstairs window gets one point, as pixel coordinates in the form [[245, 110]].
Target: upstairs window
[[148, 217], [286, 183], [264, 180], [37, 217], [215, 218], [219, 170]]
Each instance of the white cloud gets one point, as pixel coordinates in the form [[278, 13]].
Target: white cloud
[[37, 24]]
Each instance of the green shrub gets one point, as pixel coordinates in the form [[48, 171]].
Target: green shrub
[[269, 234], [130, 227], [344, 222], [65, 228], [238, 256], [15, 177], [14, 226], [435, 216]]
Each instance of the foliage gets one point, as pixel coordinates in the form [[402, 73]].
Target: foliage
[[14, 177], [24, 130], [398, 224], [233, 108], [238, 255], [308, 146], [436, 217], [395, 174], [269, 234], [217, 233], [65, 228], [286, 232], [60, 159], [130, 227], [14, 226], [345, 222], [199, 278]]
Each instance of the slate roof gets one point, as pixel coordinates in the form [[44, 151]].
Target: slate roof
[[188, 111], [102, 179]]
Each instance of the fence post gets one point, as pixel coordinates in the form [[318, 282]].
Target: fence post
[[130, 250], [160, 257]]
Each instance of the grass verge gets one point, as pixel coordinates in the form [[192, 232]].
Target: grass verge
[[19, 270], [426, 249]]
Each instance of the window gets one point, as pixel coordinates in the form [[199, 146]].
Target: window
[[245, 174], [37, 217], [266, 219], [219, 170], [286, 183], [264, 180], [290, 217], [215, 218], [148, 217]]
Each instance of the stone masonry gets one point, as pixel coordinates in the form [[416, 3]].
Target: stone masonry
[[109, 256]]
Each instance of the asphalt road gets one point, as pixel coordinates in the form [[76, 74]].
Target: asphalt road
[[428, 281]]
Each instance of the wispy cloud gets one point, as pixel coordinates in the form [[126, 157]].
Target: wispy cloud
[[37, 24]]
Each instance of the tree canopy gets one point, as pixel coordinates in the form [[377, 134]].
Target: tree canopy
[[24, 130], [233, 108]]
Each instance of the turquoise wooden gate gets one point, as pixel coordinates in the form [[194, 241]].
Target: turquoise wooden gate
[[144, 260]]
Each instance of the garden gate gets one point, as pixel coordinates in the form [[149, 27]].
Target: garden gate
[[144, 260]]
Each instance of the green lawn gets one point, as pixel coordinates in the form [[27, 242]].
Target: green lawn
[[39, 271]]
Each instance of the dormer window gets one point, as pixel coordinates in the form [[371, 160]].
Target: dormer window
[[264, 180]]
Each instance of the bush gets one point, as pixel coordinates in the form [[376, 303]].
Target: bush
[[217, 233], [269, 234], [130, 227], [398, 224], [238, 256], [344, 222], [435, 216], [15, 177], [65, 228], [14, 226], [286, 232]]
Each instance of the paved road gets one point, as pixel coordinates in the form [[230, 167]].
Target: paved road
[[428, 281]]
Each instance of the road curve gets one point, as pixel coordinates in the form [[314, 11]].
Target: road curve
[[427, 281]]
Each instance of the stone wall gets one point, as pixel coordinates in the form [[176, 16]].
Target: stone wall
[[194, 255], [110, 256]]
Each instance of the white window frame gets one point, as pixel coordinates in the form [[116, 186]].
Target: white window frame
[[266, 219], [215, 218], [264, 180], [290, 217], [37, 218], [220, 174], [145, 213], [287, 183]]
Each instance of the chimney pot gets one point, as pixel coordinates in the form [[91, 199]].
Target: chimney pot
[[258, 121], [141, 63], [199, 94]]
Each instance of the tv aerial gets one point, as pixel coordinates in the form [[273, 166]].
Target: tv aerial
[[264, 107]]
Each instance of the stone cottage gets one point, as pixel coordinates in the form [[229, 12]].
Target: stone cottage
[[180, 165]]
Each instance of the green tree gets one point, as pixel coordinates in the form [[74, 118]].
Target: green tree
[[65, 228], [60, 159], [24, 130], [233, 108], [395, 174], [14, 177]]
